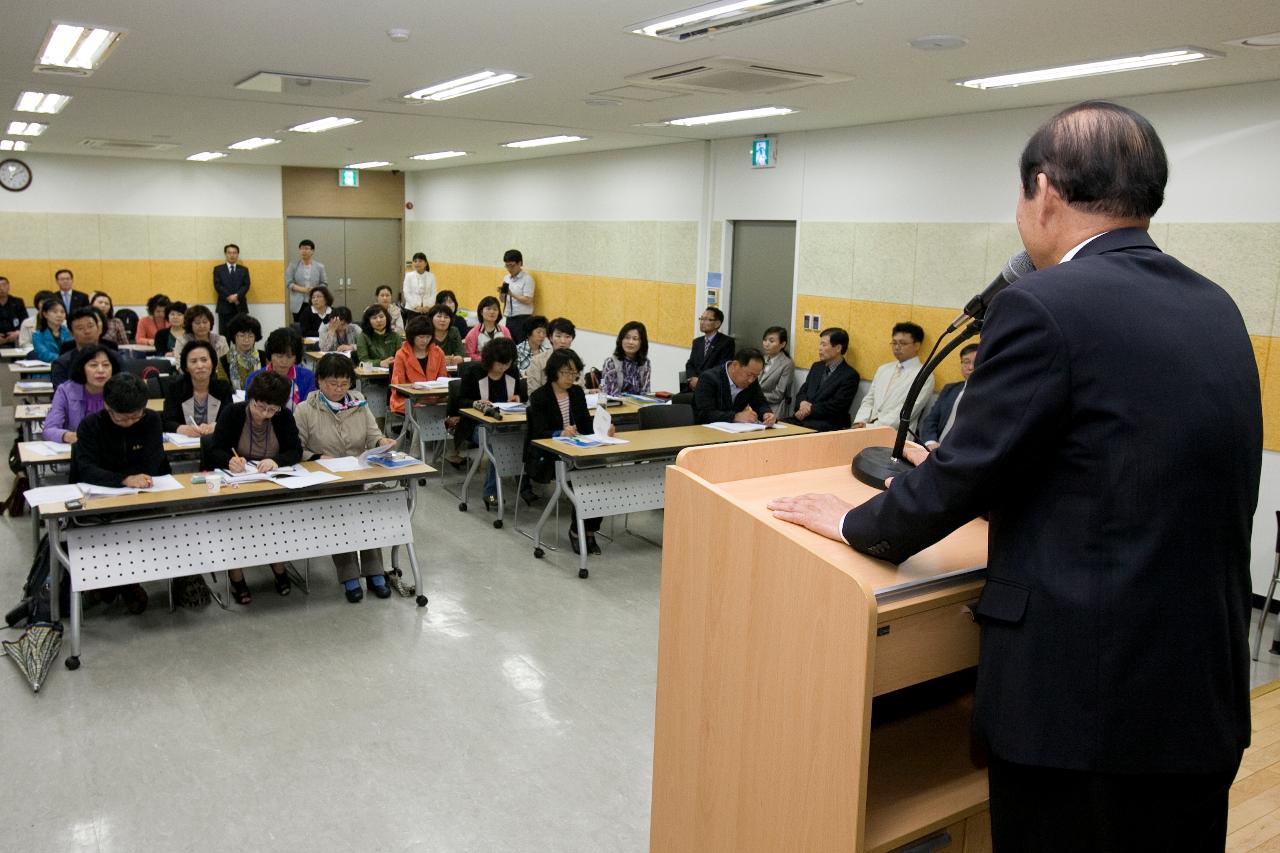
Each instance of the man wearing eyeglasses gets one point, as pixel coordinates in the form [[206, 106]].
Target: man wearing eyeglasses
[[883, 404], [732, 392]]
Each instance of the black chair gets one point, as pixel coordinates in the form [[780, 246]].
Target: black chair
[[671, 415], [129, 318]]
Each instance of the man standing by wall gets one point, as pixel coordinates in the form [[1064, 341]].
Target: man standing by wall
[[231, 281], [517, 294], [1113, 676], [71, 298]]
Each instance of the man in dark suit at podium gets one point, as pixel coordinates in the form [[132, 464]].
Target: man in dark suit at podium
[[827, 394], [1113, 676], [231, 281], [710, 349]]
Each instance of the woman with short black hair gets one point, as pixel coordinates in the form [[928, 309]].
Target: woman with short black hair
[[112, 327], [194, 400], [316, 312], [377, 341], [445, 335], [284, 351], [487, 329], [157, 320], [243, 333]]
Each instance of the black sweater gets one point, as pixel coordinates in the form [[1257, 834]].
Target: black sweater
[[217, 453], [104, 454]]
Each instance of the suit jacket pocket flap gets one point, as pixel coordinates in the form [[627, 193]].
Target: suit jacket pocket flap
[[1002, 601]]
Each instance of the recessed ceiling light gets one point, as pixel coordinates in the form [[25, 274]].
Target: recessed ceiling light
[[545, 140], [938, 42], [739, 115], [1175, 56], [713, 18], [255, 142], [372, 164], [323, 124], [439, 155], [26, 128], [207, 155], [12, 145], [41, 102], [76, 48], [477, 82]]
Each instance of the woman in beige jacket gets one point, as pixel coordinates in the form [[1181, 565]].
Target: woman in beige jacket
[[335, 421]]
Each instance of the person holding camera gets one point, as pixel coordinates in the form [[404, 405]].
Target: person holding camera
[[517, 294]]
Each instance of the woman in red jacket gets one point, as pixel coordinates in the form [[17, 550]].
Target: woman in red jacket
[[419, 359]]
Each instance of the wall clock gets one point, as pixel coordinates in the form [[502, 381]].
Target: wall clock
[[15, 175]]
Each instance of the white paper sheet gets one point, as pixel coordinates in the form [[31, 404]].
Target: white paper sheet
[[52, 494], [603, 420], [181, 440], [47, 448], [32, 385], [342, 463], [237, 396], [509, 408], [726, 426], [164, 483], [31, 362], [311, 478]]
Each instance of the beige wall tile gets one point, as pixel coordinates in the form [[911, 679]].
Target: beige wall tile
[[613, 249], [262, 239], [582, 247], [24, 236], [544, 245], [884, 261], [214, 232], [1003, 242], [825, 251], [1243, 257], [951, 263], [74, 235], [1159, 232], [124, 237], [642, 250], [173, 238], [678, 251]]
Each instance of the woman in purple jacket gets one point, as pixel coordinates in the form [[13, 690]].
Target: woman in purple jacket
[[90, 370]]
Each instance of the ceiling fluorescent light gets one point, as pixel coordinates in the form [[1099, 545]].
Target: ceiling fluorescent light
[[1175, 56], [12, 145], [41, 102], [207, 155], [713, 18], [372, 164], [255, 142], [740, 115], [546, 140], [323, 124], [439, 155], [77, 48], [464, 86], [26, 128]]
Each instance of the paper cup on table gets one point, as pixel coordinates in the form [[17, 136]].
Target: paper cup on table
[[214, 482]]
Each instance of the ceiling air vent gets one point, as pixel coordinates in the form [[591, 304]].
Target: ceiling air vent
[[725, 75], [126, 145], [310, 85]]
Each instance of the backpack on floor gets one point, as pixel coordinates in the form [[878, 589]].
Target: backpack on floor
[[34, 606]]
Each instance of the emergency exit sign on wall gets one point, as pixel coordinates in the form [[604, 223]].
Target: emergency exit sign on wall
[[348, 177], [764, 152]]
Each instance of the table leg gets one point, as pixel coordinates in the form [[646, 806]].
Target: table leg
[[474, 468], [487, 451], [547, 510], [412, 497], [562, 484]]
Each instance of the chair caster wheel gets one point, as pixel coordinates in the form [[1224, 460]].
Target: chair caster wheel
[[497, 524], [422, 481], [72, 663], [539, 553], [462, 507], [582, 573], [422, 601]]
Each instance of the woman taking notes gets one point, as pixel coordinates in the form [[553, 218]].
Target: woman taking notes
[[336, 421]]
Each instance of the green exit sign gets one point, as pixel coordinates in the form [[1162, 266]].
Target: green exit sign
[[348, 177], [764, 152]]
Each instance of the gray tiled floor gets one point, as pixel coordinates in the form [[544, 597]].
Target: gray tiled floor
[[514, 713]]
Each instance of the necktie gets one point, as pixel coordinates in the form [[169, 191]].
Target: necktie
[[951, 417], [66, 301], [706, 346]]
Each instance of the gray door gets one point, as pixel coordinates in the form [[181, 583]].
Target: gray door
[[358, 255], [761, 279]]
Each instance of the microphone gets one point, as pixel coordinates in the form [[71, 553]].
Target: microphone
[[1015, 268]]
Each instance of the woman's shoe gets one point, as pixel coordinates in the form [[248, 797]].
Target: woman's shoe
[[240, 592], [283, 585], [592, 546], [491, 502], [378, 586], [529, 496], [458, 463], [354, 593]]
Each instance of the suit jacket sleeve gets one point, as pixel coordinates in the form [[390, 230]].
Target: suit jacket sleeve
[[1014, 406], [936, 417], [709, 405], [834, 399]]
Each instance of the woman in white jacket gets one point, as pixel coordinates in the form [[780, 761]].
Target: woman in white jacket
[[419, 288]]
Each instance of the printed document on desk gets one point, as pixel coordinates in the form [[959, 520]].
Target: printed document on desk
[[179, 440], [726, 426], [589, 440], [52, 494], [47, 448]]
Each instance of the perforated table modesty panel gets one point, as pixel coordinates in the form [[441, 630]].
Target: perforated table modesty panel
[[155, 549], [621, 489]]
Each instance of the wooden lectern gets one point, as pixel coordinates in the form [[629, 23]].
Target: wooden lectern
[[809, 698]]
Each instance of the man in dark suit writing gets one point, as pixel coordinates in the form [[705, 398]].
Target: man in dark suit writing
[[231, 281], [1113, 676], [828, 391], [731, 392], [942, 416]]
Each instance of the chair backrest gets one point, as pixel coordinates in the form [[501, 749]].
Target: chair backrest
[[671, 415], [129, 318], [139, 366]]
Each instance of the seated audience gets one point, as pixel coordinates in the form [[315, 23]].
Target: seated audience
[[197, 324], [121, 446], [825, 398], [195, 398], [260, 430], [336, 421], [708, 350], [339, 334], [561, 332], [284, 351], [51, 330], [27, 329], [243, 333], [627, 370], [157, 319], [883, 404], [560, 408], [86, 329], [418, 360], [82, 394], [939, 419], [489, 327], [731, 392], [779, 369], [12, 313], [316, 312], [112, 327], [383, 296], [446, 297], [377, 342], [445, 334], [480, 389], [535, 342], [173, 336]]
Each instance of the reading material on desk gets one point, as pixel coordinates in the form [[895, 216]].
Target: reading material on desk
[[251, 474], [51, 494], [392, 459], [726, 426], [47, 448], [179, 440], [589, 440], [32, 385], [305, 479], [645, 400], [32, 362], [441, 385], [510, 408], [353, 463], [162, 483]]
